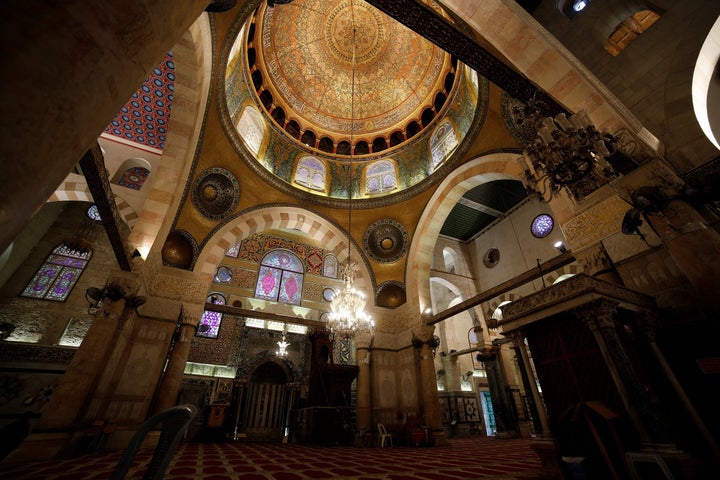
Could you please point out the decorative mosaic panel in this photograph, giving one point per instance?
(134, 177)
(314, 259)
(144, 118)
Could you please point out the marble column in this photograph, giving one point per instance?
(529, 380)
(506, 422)
(599, 316)
(424, 340)
(180, 349)
(693, 246)
(363, 402)
(69, 401)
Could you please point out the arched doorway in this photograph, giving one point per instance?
(266, 404)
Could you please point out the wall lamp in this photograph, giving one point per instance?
(561, 247)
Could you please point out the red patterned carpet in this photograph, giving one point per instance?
(466, 458)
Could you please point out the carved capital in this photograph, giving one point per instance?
(192, 313)
(363, 340)
(423, 334)
(517, 337)
(599, 314)
(487, 354)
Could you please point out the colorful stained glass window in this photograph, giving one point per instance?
(330, 266)
(223, 274)
(93, 213)
(311, 173)
(280, 278)
(380, 177)
(57, 276)
(210, 322)
(233, 251)
(542, 225)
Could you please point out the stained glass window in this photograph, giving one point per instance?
(542, 225)
(311, 173)
(330, 266)
(280, 278)
(233, 251)
(93, 213)
(380, 177)
(56, 277)
(210, 322)
(223, 274)
(442, 144)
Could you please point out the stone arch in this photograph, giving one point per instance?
(193, 57)
(438, 281)
(495, 303)
(257, 220)
(79, 192)
(494, 166)
(572, 269)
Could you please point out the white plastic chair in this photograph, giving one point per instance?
(383, 435)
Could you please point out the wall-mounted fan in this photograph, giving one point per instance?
(631, 223)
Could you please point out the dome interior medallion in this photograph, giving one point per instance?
(341, 81)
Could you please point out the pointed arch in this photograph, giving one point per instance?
(282, 216)
(494, 166)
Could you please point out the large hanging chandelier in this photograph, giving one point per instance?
(347, 309)
(568, 153)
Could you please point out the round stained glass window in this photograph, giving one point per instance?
(93, 213)
(542, 225)
(223, 275)
(328, 294)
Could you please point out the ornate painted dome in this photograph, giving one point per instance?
(315, 83)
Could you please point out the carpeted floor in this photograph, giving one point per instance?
(466, 458)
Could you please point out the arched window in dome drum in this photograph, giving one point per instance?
(443, 142)
(311, 173)
(251, 128)
(380, 177)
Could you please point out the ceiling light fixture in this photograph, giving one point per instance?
(283, 344)
(347, 310)
(568, 153)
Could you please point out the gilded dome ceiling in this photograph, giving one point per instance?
(313, 85)
(313, 51)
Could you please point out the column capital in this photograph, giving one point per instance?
(191, 314)
(363, 340)
(598, 314)
(517, 337)
(424, 334)
(488, 353)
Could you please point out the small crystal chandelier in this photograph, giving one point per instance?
(283, 344)
(568, 153)
(347, 310)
